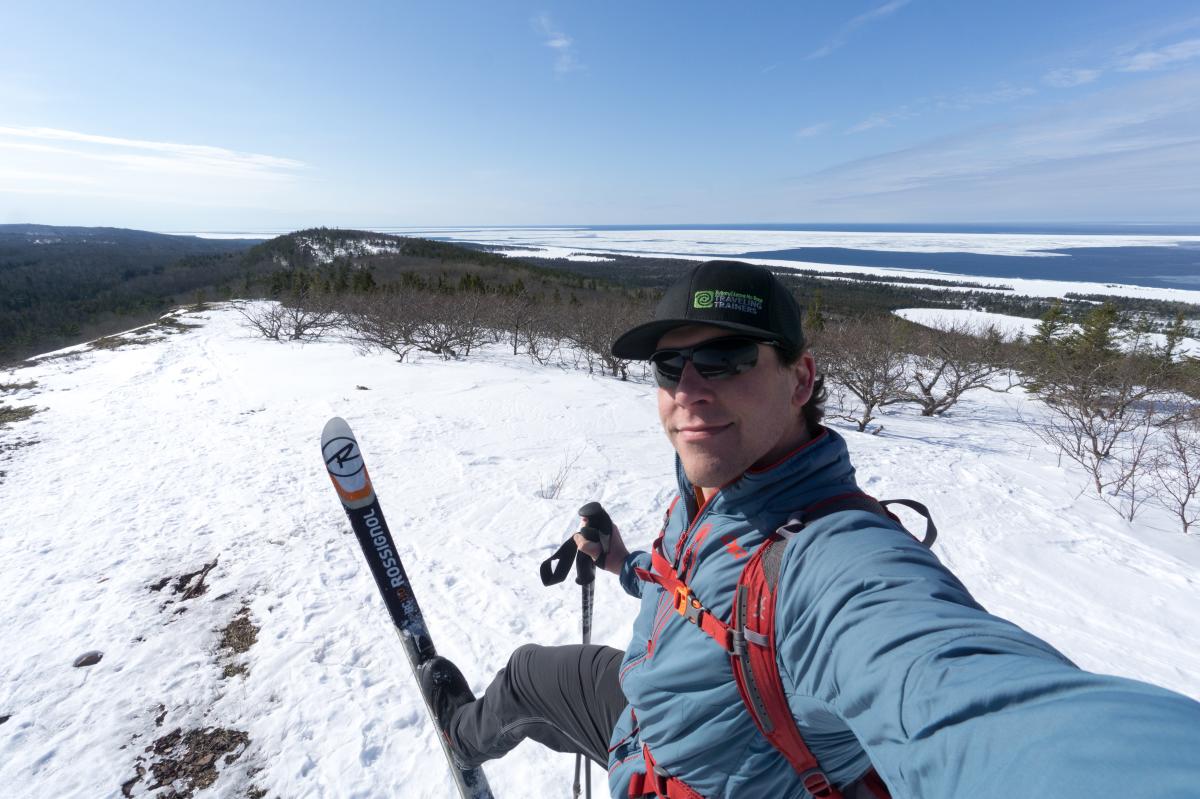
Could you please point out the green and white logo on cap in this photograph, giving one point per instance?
(727, 301)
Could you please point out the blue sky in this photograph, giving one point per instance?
(259, 115)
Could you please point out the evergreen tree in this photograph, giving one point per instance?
(816, 320)
(1096, 339)
(1053, 325)
(1175, 332)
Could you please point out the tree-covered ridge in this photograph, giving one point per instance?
(60, 286)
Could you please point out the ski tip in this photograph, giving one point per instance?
(345, 464)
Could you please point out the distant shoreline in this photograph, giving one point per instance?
(1017, 229)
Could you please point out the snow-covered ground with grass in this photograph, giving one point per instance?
(167, 506)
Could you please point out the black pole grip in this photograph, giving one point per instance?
(598, 527)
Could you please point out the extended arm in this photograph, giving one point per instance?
(950, 701)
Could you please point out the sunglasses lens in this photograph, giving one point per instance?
(725, 358)
(668, 367)
(713, 360)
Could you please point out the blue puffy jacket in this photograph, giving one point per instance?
(887, 661)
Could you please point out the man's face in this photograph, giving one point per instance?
(721, 428)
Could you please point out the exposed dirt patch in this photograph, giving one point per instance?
(19, 413)
(171, 324)
(187, 761)
(116, 342)
(236, 638)
(6, 388)
(190, 584)
(9, 446)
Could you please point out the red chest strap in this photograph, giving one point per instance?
(754, 670)
(686, 604)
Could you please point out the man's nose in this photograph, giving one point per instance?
(692, 387)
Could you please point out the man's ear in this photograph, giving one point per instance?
(806, 375)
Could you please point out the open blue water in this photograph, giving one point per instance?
(1176, 264)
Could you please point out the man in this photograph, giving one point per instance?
(891, 670)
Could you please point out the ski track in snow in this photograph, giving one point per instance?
(153, 460)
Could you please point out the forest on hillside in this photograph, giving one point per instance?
(61, 286)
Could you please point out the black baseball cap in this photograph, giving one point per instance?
(732, 295)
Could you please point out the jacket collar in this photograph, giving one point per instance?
(817, 469)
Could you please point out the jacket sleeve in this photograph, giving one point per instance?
(629, 581)
(948, 700)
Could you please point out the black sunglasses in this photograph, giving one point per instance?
(715, 359)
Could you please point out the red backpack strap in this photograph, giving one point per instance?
(755, 663)
(756, 670)
(657, 782)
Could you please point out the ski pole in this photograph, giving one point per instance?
(597, 527)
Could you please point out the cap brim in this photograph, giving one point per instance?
(639, 343)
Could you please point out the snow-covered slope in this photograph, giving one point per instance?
(154, 460)
(1013, 326)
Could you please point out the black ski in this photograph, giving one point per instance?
(348, 471)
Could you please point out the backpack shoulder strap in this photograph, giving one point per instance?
(755, 663)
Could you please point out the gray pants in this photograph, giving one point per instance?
(565, 697)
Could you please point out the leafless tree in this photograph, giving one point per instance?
(865, 362)
(266, 318)
(453, 325)
(517, 315)
(1104, 412)
(310, 318)
(382, 321)
(952, 359)
(1177, 469)
(292, 319)
(592, 327)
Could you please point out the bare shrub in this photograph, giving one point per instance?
(864, 360)
(592, 327)
(1177, 469)
(516, 314)
(266, 318)
(407, 319)
(291, 319)
(310, 318)
(552, 487)
(381, 321)
(1105, 407)
(952, 359)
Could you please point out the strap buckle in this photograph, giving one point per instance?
(659, 778)
(686, 604)
(817, 784)
(736, 642)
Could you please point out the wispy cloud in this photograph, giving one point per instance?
(1067, 78)
(1161, 58)
(560, 43)
(957, 101)
(1131, 149)
(1136, 57)
(169, 156)
(71, 169)
(877, 13)
(882, 120)
(812, 130)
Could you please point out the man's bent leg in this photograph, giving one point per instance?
(565, 697)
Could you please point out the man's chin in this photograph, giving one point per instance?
(706, 470)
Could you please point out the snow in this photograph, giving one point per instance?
(152, 460)
(584, 244)
(1012, 326)
(703, 244)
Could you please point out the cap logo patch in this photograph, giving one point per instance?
(727, 301)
